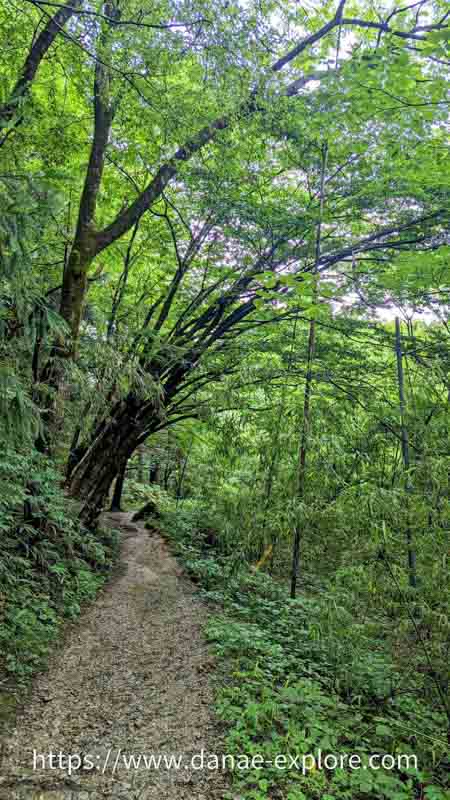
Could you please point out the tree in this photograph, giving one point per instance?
(251, 249)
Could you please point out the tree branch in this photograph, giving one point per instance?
(33, 60)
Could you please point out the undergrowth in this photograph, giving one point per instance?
(137, 494)
(49, 565)
(304, 676)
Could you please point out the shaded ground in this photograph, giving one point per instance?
(131, 679)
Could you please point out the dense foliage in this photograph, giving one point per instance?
(224, 274)
(49, 565)
(310, 675)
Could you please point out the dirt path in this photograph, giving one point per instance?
(130, 680)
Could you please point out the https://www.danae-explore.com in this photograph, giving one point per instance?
(113, 760)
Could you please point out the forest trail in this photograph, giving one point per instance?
(131, 677)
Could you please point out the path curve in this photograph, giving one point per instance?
(132, 676)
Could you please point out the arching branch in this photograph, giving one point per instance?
(10, 113)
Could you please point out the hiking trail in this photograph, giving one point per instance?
(130, 678)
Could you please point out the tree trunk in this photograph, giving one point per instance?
(112, 445)
(302, 457)
(405, 453)
(304, 437)
(141, 465)
(153, 475)
(74, 289)
(116, 502)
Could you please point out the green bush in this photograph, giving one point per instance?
(49, 565)
(304, 675)
(136, 494)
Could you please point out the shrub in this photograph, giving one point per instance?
(49, 566)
